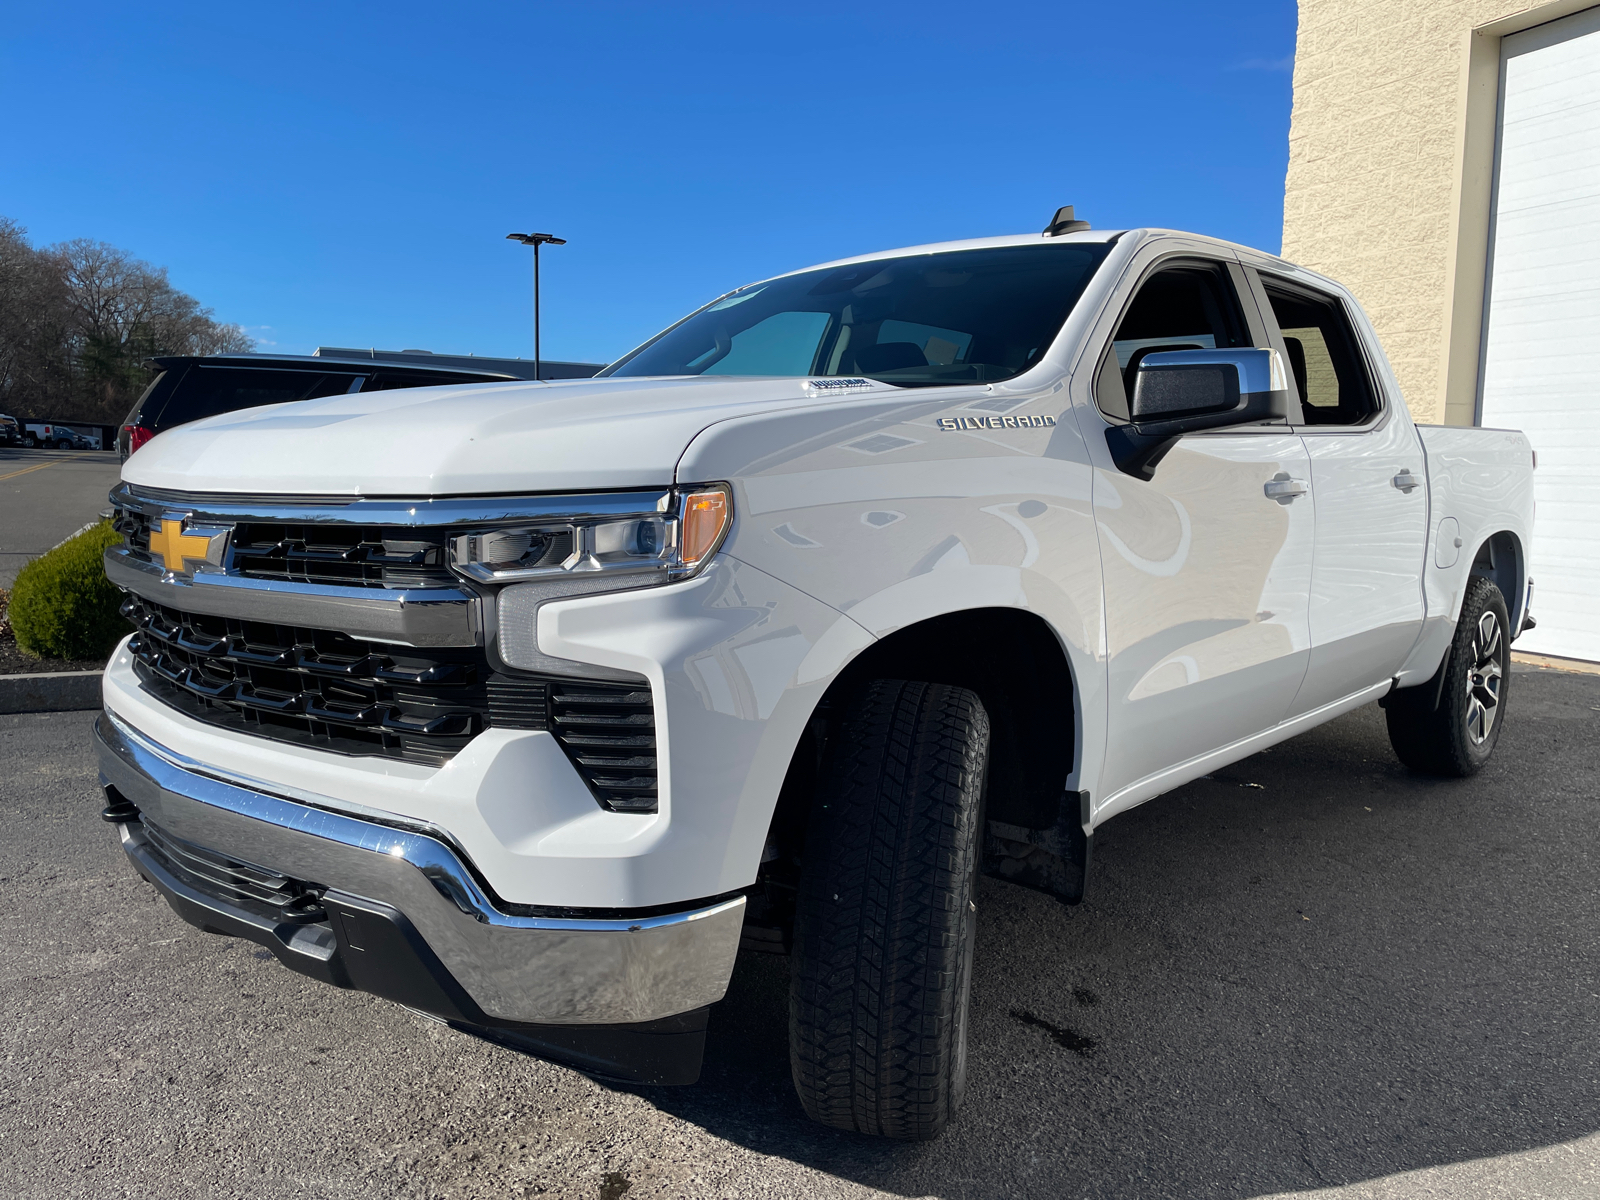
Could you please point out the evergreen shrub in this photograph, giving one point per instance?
(62, 605)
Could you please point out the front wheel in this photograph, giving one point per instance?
(887, 913)
(1457, 737)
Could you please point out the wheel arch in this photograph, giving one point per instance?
(1500, 558)
(1015, 662)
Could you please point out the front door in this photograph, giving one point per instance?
(1206, 574)
(1369, 481)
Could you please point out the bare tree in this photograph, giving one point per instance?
(35, 324)
(78, 320)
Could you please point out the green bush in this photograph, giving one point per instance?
(62, 606)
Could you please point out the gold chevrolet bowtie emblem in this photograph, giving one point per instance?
(173, 545)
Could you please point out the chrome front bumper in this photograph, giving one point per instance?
(517, 968)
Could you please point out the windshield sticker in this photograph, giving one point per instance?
(736, 298)
(949, 423)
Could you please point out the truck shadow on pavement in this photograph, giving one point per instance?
(1311, 969)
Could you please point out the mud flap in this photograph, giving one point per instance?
(1054, 861)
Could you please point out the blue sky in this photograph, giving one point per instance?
(346, 174)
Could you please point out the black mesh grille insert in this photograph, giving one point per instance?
(311, 686)
(135, 530)
(349, 555)
(327, 690)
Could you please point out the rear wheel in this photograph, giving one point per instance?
(63, 444)
(886, 915)
(1457, 737)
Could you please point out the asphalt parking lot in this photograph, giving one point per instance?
(45, 497)
(1313, 971)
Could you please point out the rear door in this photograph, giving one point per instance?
(1368, 477)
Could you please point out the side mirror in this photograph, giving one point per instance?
(1184, 391)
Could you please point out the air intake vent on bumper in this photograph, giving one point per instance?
(609, 732)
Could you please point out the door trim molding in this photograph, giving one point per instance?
(1151, 786)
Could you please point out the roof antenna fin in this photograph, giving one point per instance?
(1063, 222)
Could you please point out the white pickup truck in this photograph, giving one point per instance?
(528, 704)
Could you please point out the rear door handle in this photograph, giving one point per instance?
(1406, 482)
(1283, 489)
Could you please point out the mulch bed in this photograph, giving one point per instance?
(14, 662)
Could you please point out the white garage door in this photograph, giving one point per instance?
(1541, 369)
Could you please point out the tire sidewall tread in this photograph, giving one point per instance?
(884, 919)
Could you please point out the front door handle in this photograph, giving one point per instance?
(1283, 489)
(1406, 482)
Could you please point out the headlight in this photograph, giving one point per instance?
(557, 559)
(657, 547)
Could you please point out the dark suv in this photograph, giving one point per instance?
(189, 388)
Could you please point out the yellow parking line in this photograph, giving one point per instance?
(41, 466)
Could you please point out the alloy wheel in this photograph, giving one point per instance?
(1484, 677)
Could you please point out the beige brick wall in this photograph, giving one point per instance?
(1390, 152)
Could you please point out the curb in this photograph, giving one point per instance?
(50, 691)
(1550, 662)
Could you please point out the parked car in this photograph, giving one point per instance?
(189, 387)
(528, 708)
(10, 431)
(57, 437)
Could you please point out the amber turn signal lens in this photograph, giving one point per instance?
(705, 518)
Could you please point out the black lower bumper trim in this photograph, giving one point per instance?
(371, 947)
(668, 1051)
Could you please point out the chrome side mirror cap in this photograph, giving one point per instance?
(1184, 391)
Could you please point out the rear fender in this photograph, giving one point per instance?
(1480, 500)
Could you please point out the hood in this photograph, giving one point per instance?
(459, 440)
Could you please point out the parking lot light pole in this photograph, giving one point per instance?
(536, 240)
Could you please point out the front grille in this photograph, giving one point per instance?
(134, 526)
(255, 887)
(375, 556)
(319, 688)
(311, 686)
(348, 555)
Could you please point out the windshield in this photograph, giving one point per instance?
(962, 316)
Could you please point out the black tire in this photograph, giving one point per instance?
(886, 913)
(29, 441)
(1456, 738)
(63, 444)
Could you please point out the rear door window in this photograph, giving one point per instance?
(1324, 356)
(207, 391)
